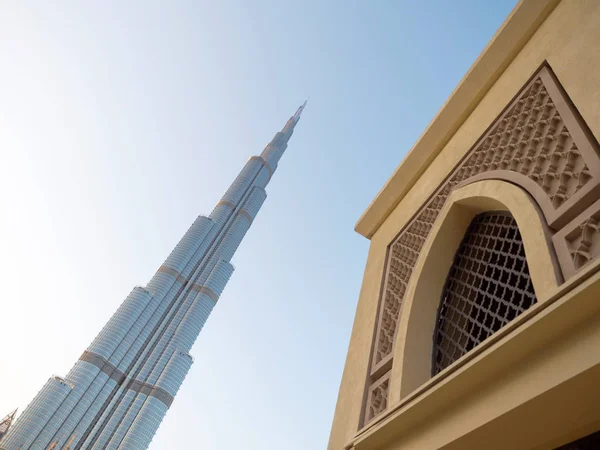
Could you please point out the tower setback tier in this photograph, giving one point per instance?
(119, 390)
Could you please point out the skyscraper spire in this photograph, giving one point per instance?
(274, 150)
(119, 390)
(289, 126)
(296, 116)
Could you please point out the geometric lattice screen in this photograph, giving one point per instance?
(540, 143)
(488, 286)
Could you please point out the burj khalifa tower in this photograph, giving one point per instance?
(119, 390)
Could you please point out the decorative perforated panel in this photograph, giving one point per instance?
(530, 139)
(487, 287)
(377, 397)
(584, 241)
(540, 143)
(578, 244)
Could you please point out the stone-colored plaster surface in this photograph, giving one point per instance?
(569, 40)
(355, 370)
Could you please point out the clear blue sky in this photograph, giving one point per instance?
(122, 121)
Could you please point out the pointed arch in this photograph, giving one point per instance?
(413, 345)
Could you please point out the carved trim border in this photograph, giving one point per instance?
(377, 397)
(532, 145)
(578, 244)
(538, 142)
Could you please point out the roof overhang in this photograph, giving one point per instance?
(510, 38)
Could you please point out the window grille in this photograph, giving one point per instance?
(488, 286)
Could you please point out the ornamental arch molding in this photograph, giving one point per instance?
(413, 346)
(538, 145)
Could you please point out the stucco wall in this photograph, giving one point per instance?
(569, 40)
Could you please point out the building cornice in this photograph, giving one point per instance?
(511, 37)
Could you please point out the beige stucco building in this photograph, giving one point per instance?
(478, 321)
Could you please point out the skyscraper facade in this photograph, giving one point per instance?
(119, 390)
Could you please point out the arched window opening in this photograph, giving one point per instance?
(488, 286)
